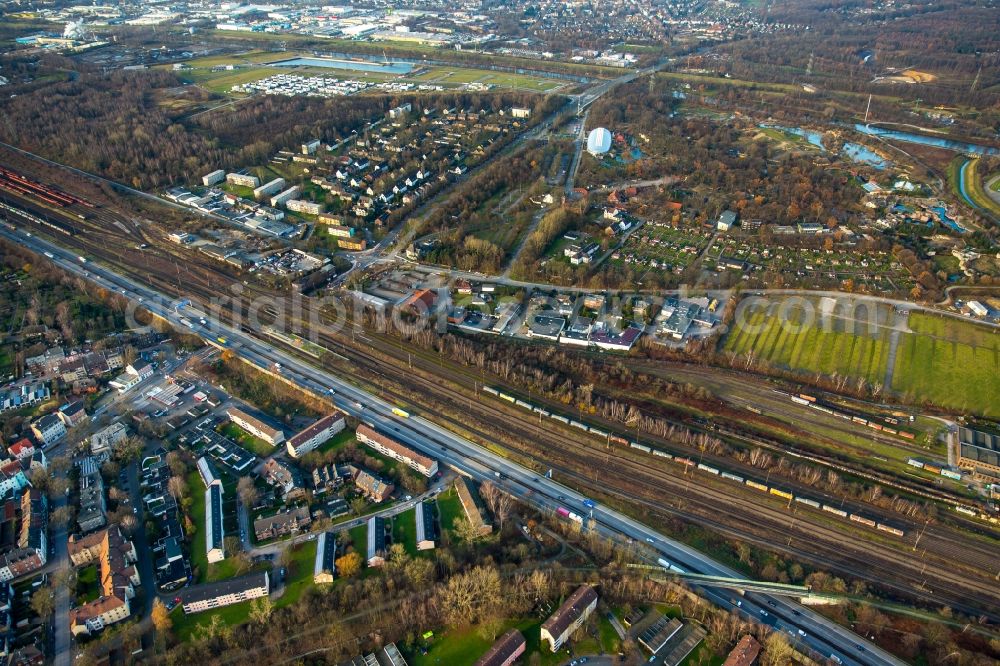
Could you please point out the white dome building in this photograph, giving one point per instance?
(599, 141)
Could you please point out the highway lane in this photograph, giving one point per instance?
(803, 627)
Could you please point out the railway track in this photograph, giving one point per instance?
(711, 504)
(206, 285)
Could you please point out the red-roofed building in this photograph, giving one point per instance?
(745, 653)
(422, 301)
(21, 449)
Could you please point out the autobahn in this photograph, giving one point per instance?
(803, 627)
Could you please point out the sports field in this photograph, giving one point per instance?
(951, 363)
(834, 345)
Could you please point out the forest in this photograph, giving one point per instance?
(114, 124)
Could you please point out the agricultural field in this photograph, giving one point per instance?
(944, 361)
(951, 363)
(829, 346)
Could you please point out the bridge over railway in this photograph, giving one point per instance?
(803, 592)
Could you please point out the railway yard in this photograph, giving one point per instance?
(949, 559)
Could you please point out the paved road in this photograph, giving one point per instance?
(804, 628)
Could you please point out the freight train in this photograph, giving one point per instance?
(691, 465)
(811, 401)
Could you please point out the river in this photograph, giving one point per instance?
(936, 141)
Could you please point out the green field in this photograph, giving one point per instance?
(462, 646)
(449, 508)
(300, 573)
(254, 445)
(945, 361)
(826, 347)
(404, 530)
(951, 363)
(185, 626)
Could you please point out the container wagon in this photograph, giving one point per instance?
(732, 477)
(599, 432)
(559, 417)
(799, 400)
(781, 493)
(913, 462)
(906, 435)
(951, 475)
(934, 469)
(663, 454)
(491, 390)
(808, 502)
(964, 509)
(861, 519)
(619, 440)
(758, 486)
(858, 419)
(581, 426)
(710, 470)
(508, 398)
(835, 510)
(687, 462)
(807, 397)
(891, 530)
(641, 447)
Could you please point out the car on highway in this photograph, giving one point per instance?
(802, 633)
(650, 540)
(772, 604)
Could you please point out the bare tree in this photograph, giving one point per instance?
(499, 503)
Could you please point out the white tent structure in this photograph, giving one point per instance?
(599, 141)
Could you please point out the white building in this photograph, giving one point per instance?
(303, 206)
(48, 429)
(213, 178)
(520, 112)
(268, 188)
(225, 592)
(255, 426)
(310, 147)
(286, 196)
(103, 440)
(242, 179)
(214, 531)
(316, 434)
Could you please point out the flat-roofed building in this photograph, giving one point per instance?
(284, 197)
(315, 435)
(303, 206)
(225, 592)
(391, 448)
(979, 452)
(505, 651)
(426, 529)
(242, 179)
(269, 188)
(325, 568)
(376, 541)
(255, 426)
(213, 178)
(475, 513)
(570, 617)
